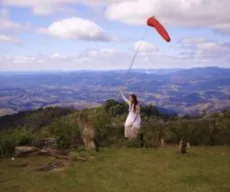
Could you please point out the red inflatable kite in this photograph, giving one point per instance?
(153, 22)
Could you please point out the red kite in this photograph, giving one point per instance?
(153, 22)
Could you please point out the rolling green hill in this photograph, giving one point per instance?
(60, 123)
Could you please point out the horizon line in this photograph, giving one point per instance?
(106, 70)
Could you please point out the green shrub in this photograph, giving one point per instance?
(64, 130)
(108, 122)
(63, 142)
(11, 138)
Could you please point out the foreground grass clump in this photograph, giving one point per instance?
(126, 169)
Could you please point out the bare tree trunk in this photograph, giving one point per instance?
(182, 146)
(162, 142)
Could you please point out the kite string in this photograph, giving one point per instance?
(134, 57)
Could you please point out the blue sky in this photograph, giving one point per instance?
(75, 34)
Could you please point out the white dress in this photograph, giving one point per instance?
(133, 120)
(131, 117)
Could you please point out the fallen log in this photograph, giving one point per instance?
(54, 153)
(24, 150)
(59, 154)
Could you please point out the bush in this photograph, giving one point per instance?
(101, 121)
(63, 142)
(108, 122)
(200, 132)
(64, 130)
(197, 132)
(221, 133)
(12, 138)
(34, 119)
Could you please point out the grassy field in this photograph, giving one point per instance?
(127, 169)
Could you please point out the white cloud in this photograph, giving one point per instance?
(213, 14)
(202, 50)
(7, 39)
(58, 56)
(47, 7)
(5, 23)
(204, 54)
(76, 28)
(145, 47)
(193, 13)
(39, 7)
(9, 25)
(100, 53)
(102, 59)
(192, 41)
(24, 60)
(223, 28)
(4, 12)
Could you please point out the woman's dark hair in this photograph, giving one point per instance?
(135, 101)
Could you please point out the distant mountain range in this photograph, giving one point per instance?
(154, 71)
(185, 91)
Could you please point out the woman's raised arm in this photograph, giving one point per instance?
(123, 97)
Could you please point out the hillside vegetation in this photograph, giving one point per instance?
(27, 128)
(119, 164)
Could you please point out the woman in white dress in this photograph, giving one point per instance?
(133, 120)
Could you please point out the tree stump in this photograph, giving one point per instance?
(162, 142)
(183, 146)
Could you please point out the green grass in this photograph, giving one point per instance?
(127, 169)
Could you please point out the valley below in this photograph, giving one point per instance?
(190, 91)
